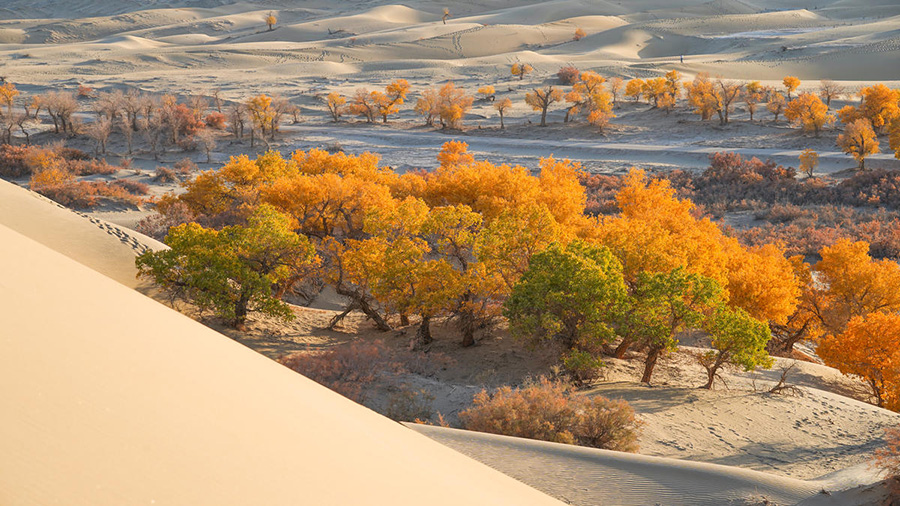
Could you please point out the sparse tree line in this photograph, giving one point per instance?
(162, 120)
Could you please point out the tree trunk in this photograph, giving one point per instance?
(622, 348)
(339, 317)
(710, 377)
(501, 121)
(544, 117)
(423, 335)
(240, 312)
(652, 356)
(467, 326)
(404, 320)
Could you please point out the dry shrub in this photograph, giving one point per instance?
(600, 191)
(547, 411)
(85, 91)
(784, 213)
(90, 167)
(21, 161)
(406, 405)
(887, 459)
(13, 161)
(165, 175)
(132, 187)
(568, 75)
(185, 166)
(347, 369)
(215, 120)
(157, 225)
(59, 185)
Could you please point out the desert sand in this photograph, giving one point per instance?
(111, 398)
(120, 399)
(196, 47)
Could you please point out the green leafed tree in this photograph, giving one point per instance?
(737, 338)
(232, 271)
(662, 305)
(568, 294)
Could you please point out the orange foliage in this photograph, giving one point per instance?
(809, 112)
(859, 141)
(868, 348)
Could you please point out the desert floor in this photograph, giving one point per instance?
(819, 434)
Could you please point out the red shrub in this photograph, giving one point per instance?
(568, 75)
(215, 120)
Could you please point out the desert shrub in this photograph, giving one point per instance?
(347, 369)
(13, 161)
(73, 154)
(215, 120)
(90, 167)
(875, 187)
(547, 411)
(823, 225)
(582, 367)
(165, 175)
(600, 190)
(568, 75)
(406, 405)
(157, 225)
(132, 187)
(783, 213)
(59, 185)
(887, 458)
(114, 192)
(185, 166)
(85, 91)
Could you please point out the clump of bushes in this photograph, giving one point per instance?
(132, 187)
(548, 411)
(348, 370)
(352, 369)
(165, 175)
(568, 75)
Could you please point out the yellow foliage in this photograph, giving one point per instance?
(809, 160)
(809, 112)
(859, 141)
(791, 83)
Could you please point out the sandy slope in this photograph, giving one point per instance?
(102, 246)
(116, 399)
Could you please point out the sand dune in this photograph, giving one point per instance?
(117, 399)
(102, 246)
(590, 476)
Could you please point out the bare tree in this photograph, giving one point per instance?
(206, 139)
(198, 104)
(237, 117)
(132, 106)
(217, 99)
(24, 121)
(99, 130)
(108, 104)
(60, 106)
(829, 89)
(127, 130)
(153, 127)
